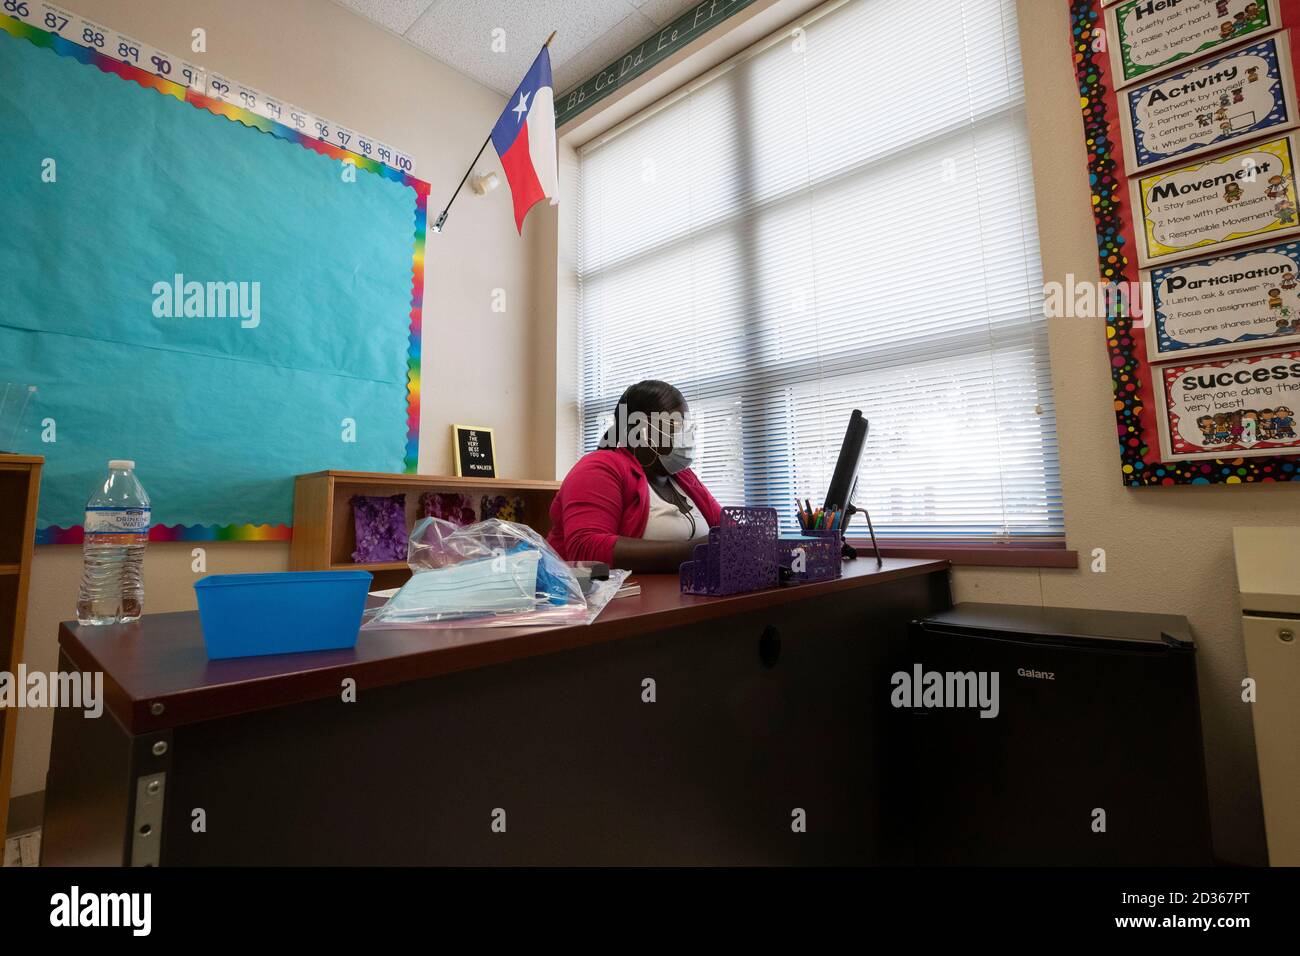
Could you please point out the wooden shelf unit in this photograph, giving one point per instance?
(324, 530)
(20, 482)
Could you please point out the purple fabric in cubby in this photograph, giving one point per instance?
(380, 527)
(447, 505)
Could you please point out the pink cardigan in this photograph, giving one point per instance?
(606, 496)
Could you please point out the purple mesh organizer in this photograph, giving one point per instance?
(739, 555)
(822, 560)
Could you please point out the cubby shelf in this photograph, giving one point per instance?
(324, 532)
(20, 482)
(369, 566)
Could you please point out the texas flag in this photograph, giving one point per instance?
(524, 138)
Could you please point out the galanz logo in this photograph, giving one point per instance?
(1038, 675)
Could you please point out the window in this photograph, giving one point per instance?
(840, 218)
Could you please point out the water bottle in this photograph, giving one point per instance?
(117, 527)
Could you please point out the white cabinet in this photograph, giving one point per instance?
(1268, 576)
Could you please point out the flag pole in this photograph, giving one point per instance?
(442, 216)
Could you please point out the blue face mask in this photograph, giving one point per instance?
(502, 584)
(677, 460)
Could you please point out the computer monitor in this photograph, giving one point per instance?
(844, 483)
(843, 480)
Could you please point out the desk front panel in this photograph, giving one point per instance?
(559, 759)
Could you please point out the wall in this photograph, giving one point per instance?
(320, 56)
(555, 376)
(1166, 549)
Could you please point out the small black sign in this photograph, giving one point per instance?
(471, 447)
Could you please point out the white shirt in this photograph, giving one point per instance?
(668, 523)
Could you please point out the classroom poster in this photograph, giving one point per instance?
(1231, 200)
(1231, 408)
(1212, 305)
(1242, 93)
(1148, 35)
(1199, 324)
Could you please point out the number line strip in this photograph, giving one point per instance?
(92, 36)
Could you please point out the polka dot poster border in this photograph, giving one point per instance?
(1130, 374)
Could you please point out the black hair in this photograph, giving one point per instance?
(647, 397)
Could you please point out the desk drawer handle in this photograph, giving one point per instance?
(769, 646)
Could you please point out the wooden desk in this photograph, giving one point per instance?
(764, 703)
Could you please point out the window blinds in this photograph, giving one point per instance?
(841, 218)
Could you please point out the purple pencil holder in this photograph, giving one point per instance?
(738, 557)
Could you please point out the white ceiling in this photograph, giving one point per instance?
(590, 33)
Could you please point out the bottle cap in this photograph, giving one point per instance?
(121, 464)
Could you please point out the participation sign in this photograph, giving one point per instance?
(1207, 306)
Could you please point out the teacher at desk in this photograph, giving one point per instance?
(634, 502)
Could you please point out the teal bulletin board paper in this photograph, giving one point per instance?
(217, 416)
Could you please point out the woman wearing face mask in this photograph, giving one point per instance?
(634, 502)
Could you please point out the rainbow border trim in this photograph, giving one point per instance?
(1130, 373)
(254, 532)
(180, 532)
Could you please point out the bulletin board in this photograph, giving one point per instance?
(201, 289)
(1190, 119)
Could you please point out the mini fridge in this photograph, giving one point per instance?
(1094, 756)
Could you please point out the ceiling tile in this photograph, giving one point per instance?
(459, 32)
(664, 12)
(625, 35)
(396, 15)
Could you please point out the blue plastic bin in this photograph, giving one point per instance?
(247, 615)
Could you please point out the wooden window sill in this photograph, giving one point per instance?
(976, 554)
